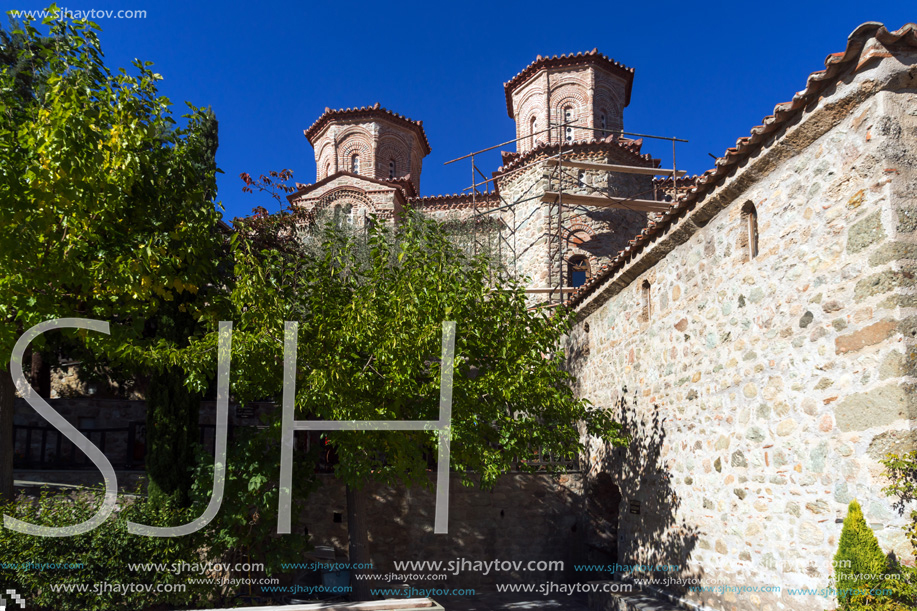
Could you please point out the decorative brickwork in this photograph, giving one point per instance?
(588, 89)
(369, 141)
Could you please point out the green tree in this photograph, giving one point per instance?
(18, 56)
(901, 470)
(173, 409)
(245, 529)
(858, 553)
(370, 303)
(106, 203)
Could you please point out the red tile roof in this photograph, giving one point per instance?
(563, 61)
(512, 160)
(367, 112)
(454, 201)
(836, 64)
(402, 184)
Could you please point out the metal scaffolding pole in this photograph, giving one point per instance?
(556, 198)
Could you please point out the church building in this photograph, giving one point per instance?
(754, 328)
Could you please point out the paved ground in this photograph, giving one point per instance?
(521, 602)
(513, 602)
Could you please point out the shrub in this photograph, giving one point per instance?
(901, 470)
(858, 553)
(245, 529)
(106, 555)
(897, 592)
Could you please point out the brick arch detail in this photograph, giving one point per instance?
(324, 157)
(577, 226)
(392, 147)
(356, 143)
(344, 195)
(609, 99)
(529, 105)
(575, 96)
(533, 101)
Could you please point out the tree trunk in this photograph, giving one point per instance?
(7, 399)
(41, 375)
(357, 502)
(172, 415)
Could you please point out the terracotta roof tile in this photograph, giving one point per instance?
(512, 160)
(369, 112)
(454, 201)
(562, 61)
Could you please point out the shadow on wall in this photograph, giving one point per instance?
(649, 530)
(525, 517)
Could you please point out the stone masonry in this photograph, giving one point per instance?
(757, 340)
(760, 390)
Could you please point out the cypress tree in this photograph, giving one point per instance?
(858, 552)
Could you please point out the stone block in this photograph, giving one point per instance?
(867, 336)
(882, 282)
(865, 233)
(877, 407)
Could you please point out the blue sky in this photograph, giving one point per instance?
(706, 72)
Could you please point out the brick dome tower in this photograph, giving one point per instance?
(586, 88)
(368, 141)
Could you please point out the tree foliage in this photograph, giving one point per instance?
(370, 303)
(105, 200)
(245, 529)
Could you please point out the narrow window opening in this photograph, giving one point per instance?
(581, 178)
(578, 271)
(603, 124)
(533, 129)
(568, 130)
(355, 164)
(750, 220)
(645, 315)
(391, 168)
(328, 169)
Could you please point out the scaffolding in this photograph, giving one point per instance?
(561, 201)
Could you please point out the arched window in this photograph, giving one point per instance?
(568, 130)
(355, 164)
(645, 293)
(577, 270)
(327, 169)
(391, 168)
(603, 123)
(533, 129)
(749, 230)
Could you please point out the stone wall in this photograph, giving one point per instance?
(90, 415)
(525, 517)
(760, 392)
